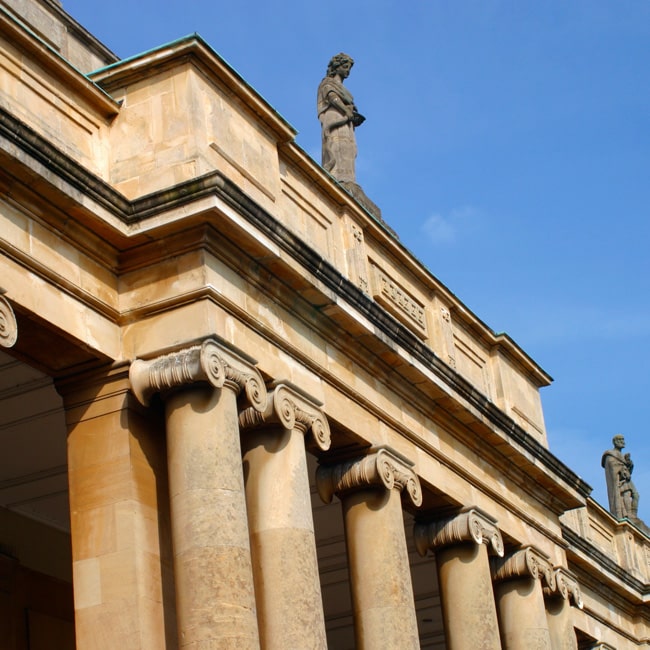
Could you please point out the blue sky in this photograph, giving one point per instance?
(507, 143)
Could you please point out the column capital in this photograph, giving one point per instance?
(566, 586)
(209, 362)
(382, 467)
(292, 408)
(526, 562)
(469, 525)
(8, 324)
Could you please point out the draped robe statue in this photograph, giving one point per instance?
(338, 117)
(621, 492)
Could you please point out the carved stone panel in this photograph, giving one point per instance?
(399, 302)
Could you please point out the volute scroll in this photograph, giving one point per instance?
(8, 324)
(208, 362)
(470, 525)
(526, 562)
(382, 468)
(292, 409)
(566, 587)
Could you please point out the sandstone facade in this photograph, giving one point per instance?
(236, 412)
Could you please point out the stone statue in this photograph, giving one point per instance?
(623, 497)
(338, 117)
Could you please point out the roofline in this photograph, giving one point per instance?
(196, 49)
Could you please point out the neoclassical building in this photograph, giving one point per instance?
(235, 412)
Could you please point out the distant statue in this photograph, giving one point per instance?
(623, 496)
(338, 117)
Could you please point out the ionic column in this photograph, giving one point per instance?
(520, 599)
(371, 489)
(558, 609)
(460, 544)
(214, 583)
(283, 545)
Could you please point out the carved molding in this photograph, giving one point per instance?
(357, 233)
(8, 324)
(471, 525)
(292, 410)
(527, 562)
(397, 300)
(208, 362)
(566, 586)
(382, 468)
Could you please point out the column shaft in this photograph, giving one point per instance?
(382, 593)
(285, 566)
(560, 624)
(522, 615)
(468, 607)
(214, 582)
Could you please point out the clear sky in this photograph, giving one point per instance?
(507, 143)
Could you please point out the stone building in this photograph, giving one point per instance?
(236, 412)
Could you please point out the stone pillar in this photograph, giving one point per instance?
(460, 544)
(119, 515)
(283, 545)
(212, 564)
(370, 490)
(520, 598)
(8, 325)
(558, 609)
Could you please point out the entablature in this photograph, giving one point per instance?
(161, 217)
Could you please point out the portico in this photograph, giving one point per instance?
(269, 426)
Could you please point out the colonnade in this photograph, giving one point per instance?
(245, 564)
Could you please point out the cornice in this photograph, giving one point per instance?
(22, 37)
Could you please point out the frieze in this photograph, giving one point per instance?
(292, 410)
(471, 525)
(388, 293)
(8, 324)
(381, 468)
(526, 562)
(208, 362)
